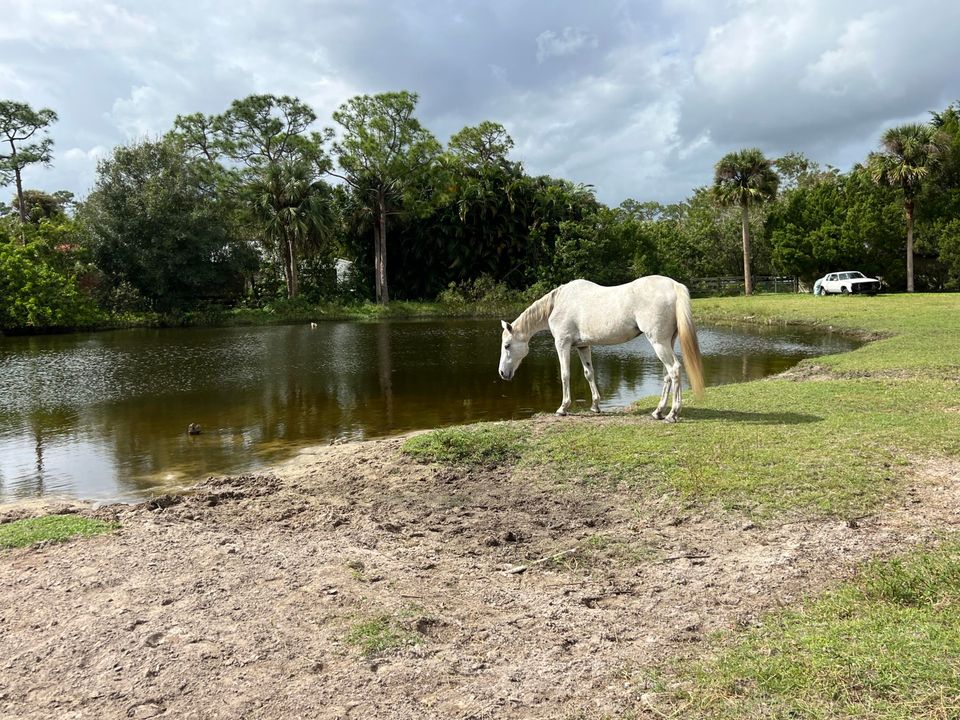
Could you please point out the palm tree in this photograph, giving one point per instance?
(295, 213)
(742, 178)
(908, 154)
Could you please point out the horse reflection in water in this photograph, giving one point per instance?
(581, 314)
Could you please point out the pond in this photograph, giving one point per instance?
(104, 416)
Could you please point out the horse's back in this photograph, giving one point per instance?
(599, 314)
(647, 290)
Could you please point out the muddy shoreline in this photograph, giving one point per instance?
(499, 592)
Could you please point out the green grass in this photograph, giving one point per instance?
(380, 634)
(57, 528)
(886, 646)
(835, 447)
(483, 444)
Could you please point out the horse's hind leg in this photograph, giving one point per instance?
(658, 411)
(671, 382)
(586, 359)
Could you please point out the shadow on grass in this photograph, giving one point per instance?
(751, 418)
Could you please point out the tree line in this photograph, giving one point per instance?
(254, 206)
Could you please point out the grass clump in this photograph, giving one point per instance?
(56, 528)
(380, 634)
(484, 445)
(886, 645)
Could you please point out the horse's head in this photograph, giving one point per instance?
(513, 349)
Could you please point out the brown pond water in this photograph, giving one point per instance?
(104, 416)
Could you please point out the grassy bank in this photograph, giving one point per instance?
(837, 445)
(54, 528)
(285, 313)
(836, 448)
(837, 437)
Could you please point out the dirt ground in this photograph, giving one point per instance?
(505, 595)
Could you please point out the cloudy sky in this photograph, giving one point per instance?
(638, 99)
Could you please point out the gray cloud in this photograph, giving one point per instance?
(568, 42)
(634, 97)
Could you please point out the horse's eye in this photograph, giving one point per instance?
(507, 346)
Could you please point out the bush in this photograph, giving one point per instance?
(34, 295)
(486, 295)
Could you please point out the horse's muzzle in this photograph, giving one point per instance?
(505, 376)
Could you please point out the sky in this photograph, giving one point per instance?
(637, 99)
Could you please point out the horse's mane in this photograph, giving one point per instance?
(534, 318)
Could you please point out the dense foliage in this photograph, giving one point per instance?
(255, 205)
(35, 294)
(162, 237)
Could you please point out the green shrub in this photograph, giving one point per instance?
(35, 295)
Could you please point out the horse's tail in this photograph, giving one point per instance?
(689, 345)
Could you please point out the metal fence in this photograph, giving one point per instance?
(733, 285)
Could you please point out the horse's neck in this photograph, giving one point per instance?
(536, 317)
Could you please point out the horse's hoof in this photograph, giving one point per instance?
(656, 415)
(596, 409)
(671, 418)
(561, 412)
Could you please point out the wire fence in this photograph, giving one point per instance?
(733, 285)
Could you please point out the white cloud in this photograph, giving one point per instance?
(87, 24)
(570, 41)
(146, 113)
(752, 49)
(12, 83)
(84, 156)
(851, 65)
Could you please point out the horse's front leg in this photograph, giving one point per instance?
(563, 352)
(586, 360)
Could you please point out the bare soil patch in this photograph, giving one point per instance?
(511, 596)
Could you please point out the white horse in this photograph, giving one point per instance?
(581, 313)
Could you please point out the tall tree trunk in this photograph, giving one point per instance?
(23, 206)
(380, 255)
(747, 279)
(287, 265)
(909, 246)
(376, 261)
(293, 287)
(19, 181)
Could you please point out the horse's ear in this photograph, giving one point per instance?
(506, 326)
